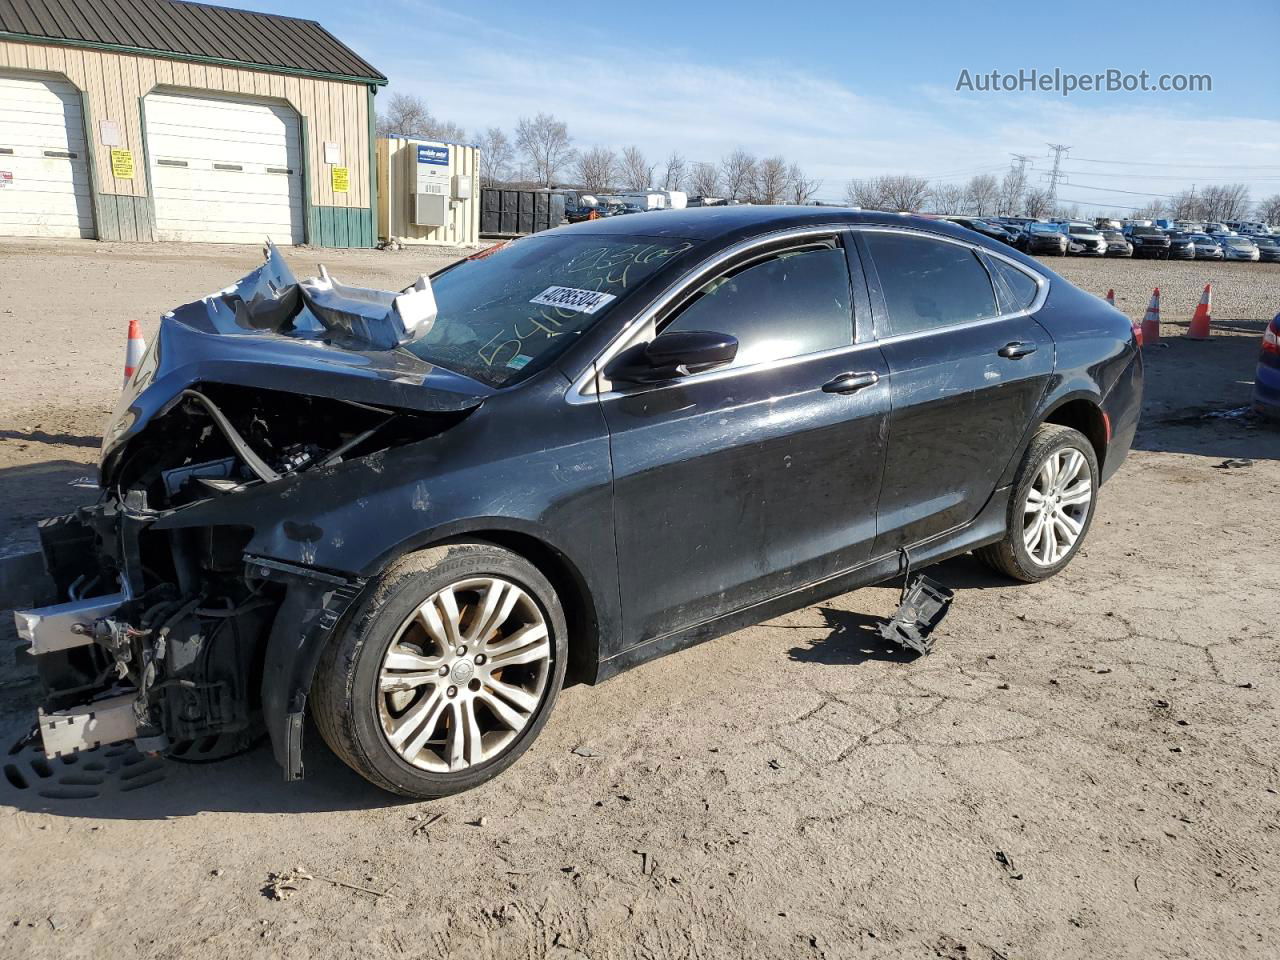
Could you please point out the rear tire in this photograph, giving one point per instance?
(1052, 506)
(446, 671)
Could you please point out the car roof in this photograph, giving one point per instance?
(716, 223)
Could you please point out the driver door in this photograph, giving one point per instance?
(740, 484)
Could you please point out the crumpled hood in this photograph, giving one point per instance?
(261, 333)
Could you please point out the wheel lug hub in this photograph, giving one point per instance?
(453, 691)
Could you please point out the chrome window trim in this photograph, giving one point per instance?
(627, 336)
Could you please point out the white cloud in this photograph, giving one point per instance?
(479, 75)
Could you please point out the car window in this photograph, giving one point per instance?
(793, 303)
(1019, 290)
(929, 283)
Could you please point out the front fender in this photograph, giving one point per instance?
(314, 604)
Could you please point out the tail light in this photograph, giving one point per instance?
(1271, 339)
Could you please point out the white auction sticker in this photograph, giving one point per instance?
(572, 298)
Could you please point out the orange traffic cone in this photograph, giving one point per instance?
(1200, 320)
(1110, 297)
(1151, 322)
(134, 351)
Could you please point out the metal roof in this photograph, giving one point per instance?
(196, 31)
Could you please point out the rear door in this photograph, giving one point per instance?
(968, 365)
(746, 482)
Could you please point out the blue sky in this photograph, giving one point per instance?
(851, 90)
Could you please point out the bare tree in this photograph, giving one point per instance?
(1186, 205)
(1228, 201)
(408, 116)
(981, 194)
(803, 188)
(1269, 209)
(705, 181)
(772, 180)
(947, 198)
(865, 194)
(1149, 211)
(1037, 203)
(634, 169)
(545, 142)
(905, 191)
(495, 156)
(1012, 189)
(673, 179)
(738, 174)
(597, 168)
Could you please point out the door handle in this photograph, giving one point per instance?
(851, 382)
(1016, 350)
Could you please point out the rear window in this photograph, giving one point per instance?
(1017, 290)
(513, 312)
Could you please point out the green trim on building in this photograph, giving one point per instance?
(311, 234)
(344, 227)
(373, 170)
(192, 57)
(150, 197)
(91, 148)
(122, 217)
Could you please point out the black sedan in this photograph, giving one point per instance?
(1268, 247)
(417, 515)
(995, 231)
(1117, 244)
(1042, 238)
(1182, 246)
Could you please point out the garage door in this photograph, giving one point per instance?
(44, 163)
(224, 171)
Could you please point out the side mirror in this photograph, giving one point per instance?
(671, 356)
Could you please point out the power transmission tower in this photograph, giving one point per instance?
(1056, 176)
(1020, 160)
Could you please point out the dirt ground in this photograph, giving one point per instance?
(1086, 767)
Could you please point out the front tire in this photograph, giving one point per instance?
(1051, 508)
(446, 671)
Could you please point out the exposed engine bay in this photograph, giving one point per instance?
(168, 627)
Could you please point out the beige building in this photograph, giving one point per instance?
(428, 191)
(166, 120)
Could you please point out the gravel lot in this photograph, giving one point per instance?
(1084, 768)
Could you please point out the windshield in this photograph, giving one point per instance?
(1148, 232)
(1240, 241)
(1114, 235)
(1042, 228)
(516, 310)
(1082, 231)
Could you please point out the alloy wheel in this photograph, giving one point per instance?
(1057, 505)
(464, 675)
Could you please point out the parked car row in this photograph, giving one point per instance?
(1179, 240)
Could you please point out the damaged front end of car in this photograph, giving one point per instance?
(190, 607)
